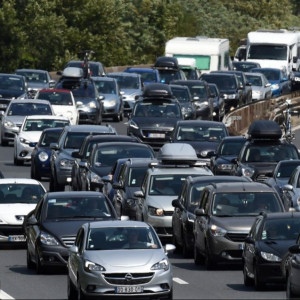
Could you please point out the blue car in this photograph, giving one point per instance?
(40, 157)
(280, 83)
(148, 75)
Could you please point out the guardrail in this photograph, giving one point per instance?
(238, 120)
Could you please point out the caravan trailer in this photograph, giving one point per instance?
(274, 49)
(210, 54)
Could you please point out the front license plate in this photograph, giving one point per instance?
(157, 135)
(129, 289)
(16, 238)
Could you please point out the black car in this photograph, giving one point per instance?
(218, 102)
(40, 156)
(61, 160)
(228, 149)
(201, 97)
(183, 217)
(104, 156)
(229, 87)
(267, 244)
(184, 97)
(84, 152)
(295, 80)
(130, 180)
(204, 136)
(52, 227)
(154, 117)
(262, 151)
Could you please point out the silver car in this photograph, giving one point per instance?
(261, 88)
(119, 258)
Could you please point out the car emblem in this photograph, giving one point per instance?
(128, 277)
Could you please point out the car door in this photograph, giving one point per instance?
(290, 195)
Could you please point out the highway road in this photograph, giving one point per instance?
(190, 281)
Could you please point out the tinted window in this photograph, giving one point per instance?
(49, 137)
(26, 109)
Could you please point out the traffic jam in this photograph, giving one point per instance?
(126, 184)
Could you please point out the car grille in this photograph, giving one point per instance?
(236, 236)
(68, 241)
(128, 278)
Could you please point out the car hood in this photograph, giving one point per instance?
(225, 159)
(13, 213)
(17, 120)
(11, 93)
(130, 92)
(228, 91)
(108, 97)
(84, 100)
(114, 259)
(156, 123)
(263, 167)
(277, 247)
(101, 171)
(37, 85)
(235, 223)
(32, 136)
(164, 202)
(201, 146)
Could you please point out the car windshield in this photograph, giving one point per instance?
(74, 140)
(108, 155)
(20, 193)
(40, 125)
(136, 176)
(269, 153)
(147, 76)
(11, 83)
(56, 98)
(78, 207)
(26, 109)
(182, 95)
(200, 133)
(117, 238)
(222, 82)
(106, 87)
(166, 76)
(167, 185)
(273, 52)
(245, 204)
(195, 193)
(199, 91)
(127, 82)
(84, 90)
(231, 147)
(254, 80)
(33, 77)
(49, 137)
(213, 90)
(244, 67)
(270, 74)
(157, 110)
(281, 229)
(285, 170)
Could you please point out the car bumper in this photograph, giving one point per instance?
(90, 117)
(12, 234)
(270, 272)
(63, 176)
(162, 225)
(53, 256)
(9, 134)
(24, 152)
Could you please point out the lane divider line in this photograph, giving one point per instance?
(4, 295)
(180, 281)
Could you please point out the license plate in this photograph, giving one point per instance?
(129, 289)
(157, 135)
(16, 238)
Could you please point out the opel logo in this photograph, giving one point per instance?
(128, 277)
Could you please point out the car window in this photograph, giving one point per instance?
(136, 176)
(231, 148)
(25, 109)
(11, 83)
(57, 98)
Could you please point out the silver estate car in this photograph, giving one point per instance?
(119, 258)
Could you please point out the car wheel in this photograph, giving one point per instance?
(80, 295)
(72, 292)
(247, 280)
(121, 116)
(35, 173)
(289, 292)
(38, 267)
(30, 264)
(56, 186)
(186, 252)
(117, 117)
(17, 162)
(169, 296)
(176, 244)
(208, 262)
(4, 143)
(258, 284)
(198, 258)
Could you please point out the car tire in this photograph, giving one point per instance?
(208, 262)
(80, 295)
(186, 252)
(247, 280)
(170, 295)
(38, 266)
(289, 293)
(258, 284)
(4, 143)
(17, 162)
(176, 244)
(30, 264)
(72, 292)
(57, 187)
(198, 258)
(35, 174)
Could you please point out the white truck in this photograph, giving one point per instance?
(274, 49)
(210, 54)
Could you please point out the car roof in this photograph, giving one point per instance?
(218, 74)
(139, 162)
(102, 78)
(219, 178)
(35, 101)
(243, 187)
(232, 138)
(12, 75)
(87, 128)
(199, 122)
(53, 129)
(31, 70)
(254, 73)
(46, 117)
(55, 91)
(19, 180)
(118, 223)
(178, 86)
(74, 194)
(145, 70)
(140, 145)
(192, 170)
(282, 215)
(123, 74)
(188, 82)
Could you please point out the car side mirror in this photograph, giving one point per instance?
(169, 247)
(199, 212)
(139, 194)
(75, 154)
(32, 221)
(234, 161)
(83, 164)
(177, 203)
(101, 97)
(295, 249)
(211, 154)
(287, 187)
(249, 240)
(59, 73)
(124, 218)
(54, 146)
(73, 249)
(117, 185)
(52, 83)
(107, 179)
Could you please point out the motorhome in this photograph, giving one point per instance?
(274, 49)
(210, 54)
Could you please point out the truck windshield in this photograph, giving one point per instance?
(274, 52)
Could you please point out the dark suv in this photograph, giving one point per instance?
(262, 151)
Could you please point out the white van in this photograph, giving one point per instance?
(274, 49)
(210, 54)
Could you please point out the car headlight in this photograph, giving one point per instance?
(247, 172)
(43, 156)
(48, 239)
(24, 141)
(203, 153)
(217, 231)
(9, 124)
(92, 104)
(224, 167)
(161, 265)
(66, 163)
(109, 103)
(133, 125)
(229, 96)
(155, 211)
(90, 266)
(270, 256)
(275, 86)
(95, 178)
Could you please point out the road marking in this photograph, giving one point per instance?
(3, 295)
(180, 281)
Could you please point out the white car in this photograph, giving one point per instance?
(62, 102)
(18, 197)
(261, 88)
(30, 132)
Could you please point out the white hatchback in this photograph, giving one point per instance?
(18, 197)
(30, 132)
(62, 102)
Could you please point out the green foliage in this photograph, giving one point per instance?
(45, 34)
